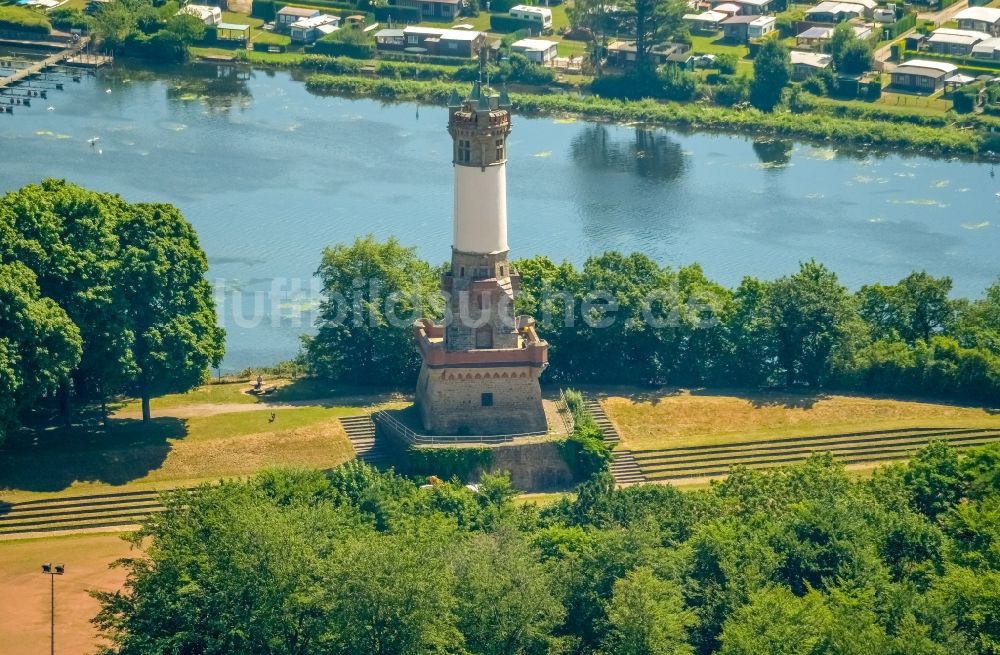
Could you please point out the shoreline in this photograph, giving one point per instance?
(944, 137)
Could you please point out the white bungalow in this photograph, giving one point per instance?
(708, 21)
(308, 30)
(539, 51)
(805, 64)
(980, 19)
(948, 41)
(988, 49)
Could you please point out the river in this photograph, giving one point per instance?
(269, 174)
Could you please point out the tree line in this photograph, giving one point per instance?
(99, 297)
(791, 561)
(678, 327)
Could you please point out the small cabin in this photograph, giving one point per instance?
(538, 51)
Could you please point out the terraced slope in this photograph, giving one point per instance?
(77, 512)
(668, 464)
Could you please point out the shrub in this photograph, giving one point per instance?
(732, 92)
(874, 91)
(69, 18)
(964, 100)
(446, 463)
(504, 23)
(397, 14)
(19, 19)
(345, 43)
(726, 62)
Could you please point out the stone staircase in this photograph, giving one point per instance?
(625, 469)
(623, 465)
(608, 431)
(77, 513)
(361, 432)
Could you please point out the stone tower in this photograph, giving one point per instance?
(480, 367)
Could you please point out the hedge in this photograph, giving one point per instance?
(335, 48)
(267, 9)
(446, 463)
(19, 19)
(905, 23)
(948, 139)
(397, 14)
(510, 24)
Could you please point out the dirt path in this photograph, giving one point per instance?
(211, 409)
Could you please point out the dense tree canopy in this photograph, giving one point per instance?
(799, 560)
(123, 284)
(374, 291)
(624, 319)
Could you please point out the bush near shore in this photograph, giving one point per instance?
(943, 139)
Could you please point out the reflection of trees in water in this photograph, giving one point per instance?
(220, 87)
(649, 154)
(773, 153)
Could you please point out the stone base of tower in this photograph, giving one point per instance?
(480, 401)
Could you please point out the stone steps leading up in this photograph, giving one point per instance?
(625, 469)
(608, 431)
(361, 433)
(715, 461)
(77, 513)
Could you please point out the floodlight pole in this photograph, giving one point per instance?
(52, 572)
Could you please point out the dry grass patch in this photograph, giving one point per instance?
(24, 622)
(170, 451)
(688, 418)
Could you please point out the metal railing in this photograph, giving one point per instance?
(565, 413)
(383, 418)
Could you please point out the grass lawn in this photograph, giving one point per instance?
(210, 433)
(686, 418)
(713, 44)
(241, 19)
(24, 623)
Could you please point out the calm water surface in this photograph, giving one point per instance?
(270, 174)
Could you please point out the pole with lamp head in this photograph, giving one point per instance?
(52, 572)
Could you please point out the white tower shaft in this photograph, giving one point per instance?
(481, 209)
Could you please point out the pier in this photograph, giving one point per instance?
(70, 56)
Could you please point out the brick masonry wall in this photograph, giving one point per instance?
(450, 400)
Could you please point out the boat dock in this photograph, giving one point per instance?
(70, 56)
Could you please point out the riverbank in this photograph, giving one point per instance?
(862, 132)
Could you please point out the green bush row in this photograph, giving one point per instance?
(501, 23)
(844, 131)
(447, 463)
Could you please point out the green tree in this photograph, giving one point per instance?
(851, 55)
(39, 344)
(647, 616)
(374, 291)
(66, 236)
(507, 598)
(809, 315)
(652, 23)
(772, 70)
(170, 310)
(917, 307)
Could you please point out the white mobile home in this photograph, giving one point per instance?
(541, 16)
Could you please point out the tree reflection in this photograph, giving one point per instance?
(650, 154)
(773, 153)
(220, 89)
